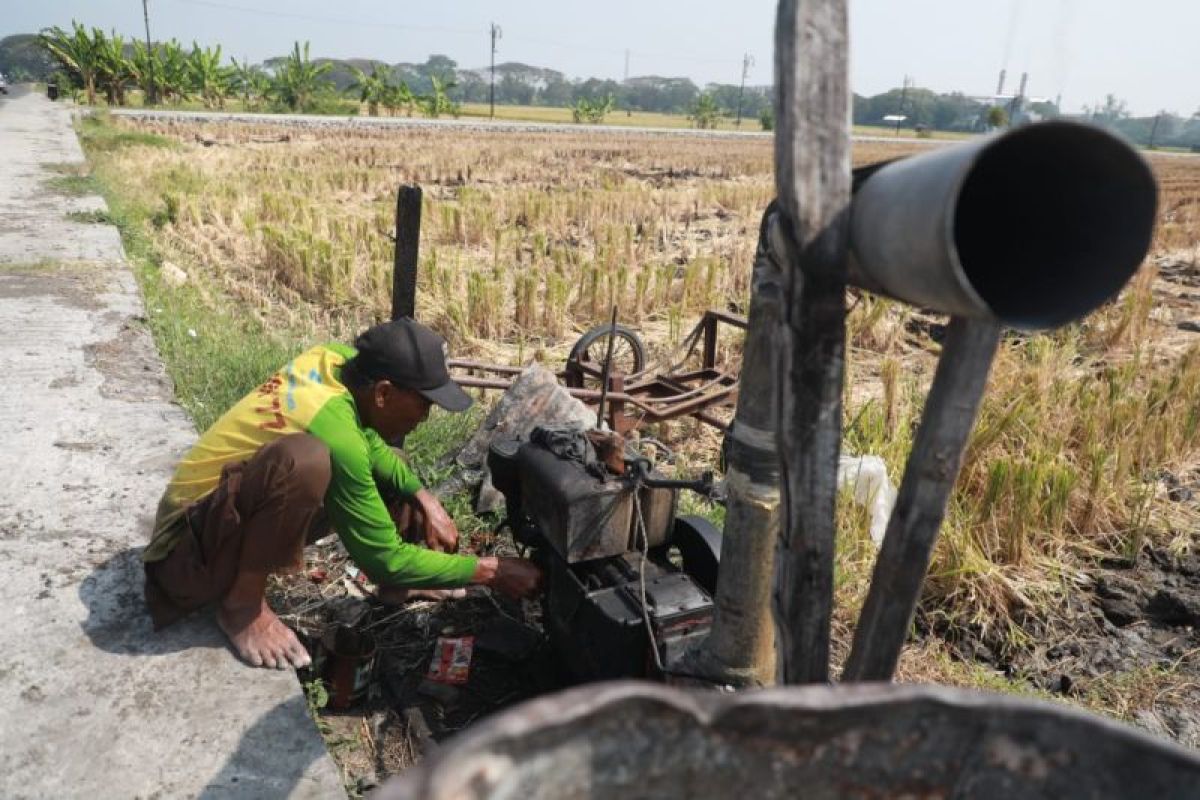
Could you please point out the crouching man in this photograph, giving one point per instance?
(304, 451)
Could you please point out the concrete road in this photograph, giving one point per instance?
(472, 124)
(93, 703)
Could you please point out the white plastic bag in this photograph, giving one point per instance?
(867, 477)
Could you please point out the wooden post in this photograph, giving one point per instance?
(929, 477)
(812, 157)
(408, 240)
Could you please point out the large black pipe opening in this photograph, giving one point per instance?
(1052, 220)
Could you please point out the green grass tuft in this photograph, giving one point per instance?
(99, 136)
(73, 185)
(95, 217)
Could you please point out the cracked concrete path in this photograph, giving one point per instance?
(93, 703)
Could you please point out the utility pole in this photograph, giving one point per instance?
(903, 100)
(151, 86)
(496, 34)
(747, 63)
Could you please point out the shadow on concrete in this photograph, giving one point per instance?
(272, 757)
(118, 621)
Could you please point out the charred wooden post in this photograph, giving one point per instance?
(408, 240)
(740, 649)
(812, 158)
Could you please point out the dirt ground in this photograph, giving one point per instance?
(403, 713)
(1123, 642)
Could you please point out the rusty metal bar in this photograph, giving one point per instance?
(710, 341)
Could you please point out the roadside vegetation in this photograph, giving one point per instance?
(1084, 436)
(528, 92)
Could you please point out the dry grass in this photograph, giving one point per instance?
(528, 239)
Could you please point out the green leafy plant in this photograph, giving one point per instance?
(77, 53)
(176, 83)
(250, 82)
(399, 96)
(114, 70)
(705, 113)
(207, 77)
(592, 111)
(766, 118)
(372, 89)
(298, 80)
(316, 695)
(437, 102)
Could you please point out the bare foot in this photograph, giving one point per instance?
(391, 596)
(261, 639)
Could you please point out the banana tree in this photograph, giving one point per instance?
(114, 70)
(705, 112)
(207, 77)
(437, 102)
(76, 52)
(399, 96)
(298, 79)
(175, 72)
(372, 89)
(147, 70)
(250, 82)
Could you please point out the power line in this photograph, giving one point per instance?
(638, 53)
(366, 23)
(336, 20)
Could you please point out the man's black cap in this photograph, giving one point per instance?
(411, 356)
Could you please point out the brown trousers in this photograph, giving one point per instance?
(258, 519)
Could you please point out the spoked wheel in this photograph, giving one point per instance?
(586, 359)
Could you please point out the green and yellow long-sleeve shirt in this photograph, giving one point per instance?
(308, 396)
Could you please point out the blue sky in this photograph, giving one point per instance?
(1147, 53)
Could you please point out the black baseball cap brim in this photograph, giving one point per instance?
(449, 396)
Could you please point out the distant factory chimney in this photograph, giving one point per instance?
(1024, 81)
(1000, 87)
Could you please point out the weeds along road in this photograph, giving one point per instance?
(324, 120)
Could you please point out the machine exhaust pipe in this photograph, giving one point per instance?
(1032, 228)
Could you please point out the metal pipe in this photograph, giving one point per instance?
(607, 372)
(1032, 228)
(740, 649)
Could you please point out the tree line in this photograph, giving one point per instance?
(95, 65)
(106, 65)
(99, 65)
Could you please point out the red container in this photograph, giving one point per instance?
(350, 666)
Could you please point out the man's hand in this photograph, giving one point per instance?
(438, 528)
(515, 577)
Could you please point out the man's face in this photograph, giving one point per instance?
(395, 412)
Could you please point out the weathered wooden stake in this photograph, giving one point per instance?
(408, 238)
(812, 157)
(929, 477)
